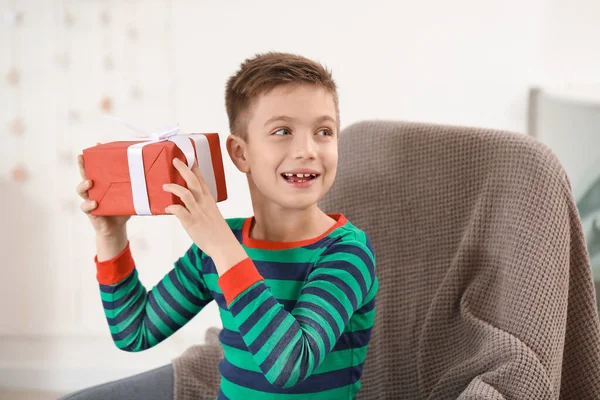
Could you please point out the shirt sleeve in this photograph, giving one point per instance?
(138, 319)
(289, 346)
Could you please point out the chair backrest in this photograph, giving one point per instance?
(485, 285)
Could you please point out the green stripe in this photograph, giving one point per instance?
(280, 288)
(278, 368)
(353, 259)
(325, 305)
(190, 285)
(285, 289)
(138, 341)
(167, 309)
(187, 263)
(114, 329)
(227, 320)
(261, 325)
(334, 361)
(274, 340)
(178, 296)
(140, 295)
(361, 322)
(211, 281)
(293, 255)
(160, 325)
(235, 223)
(322, 322)
(344, 276)
(247, 311)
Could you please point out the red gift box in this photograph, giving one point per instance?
(110, 168)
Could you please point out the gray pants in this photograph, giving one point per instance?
(156, 384)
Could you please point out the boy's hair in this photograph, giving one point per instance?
(264, 72)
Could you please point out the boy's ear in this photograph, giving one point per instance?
(236, 147)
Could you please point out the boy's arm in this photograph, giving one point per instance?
(139, 319)
(288, 347)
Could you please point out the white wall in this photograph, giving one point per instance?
(465, 62)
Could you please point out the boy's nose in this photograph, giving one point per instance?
(304, 146)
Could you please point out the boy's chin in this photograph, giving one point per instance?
(298, 202)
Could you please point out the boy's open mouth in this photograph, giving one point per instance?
(299, 178)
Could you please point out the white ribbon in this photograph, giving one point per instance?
(136, 161)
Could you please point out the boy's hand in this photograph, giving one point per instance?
(104, 226)
(202, 219)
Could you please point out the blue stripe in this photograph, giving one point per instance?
(351, 269)
(219, 298)
(329, 298)
(346, 341)
(367, 307)
(261, 310)
(288, 305)
(242, 302)
(208, 266)
(278, 349)
(284, 270)
(340, 284)
(140, 320)
(266, 334)
(173, 303)
(315, 325)
(113, 305)
(189, 276)
(269, 269)
(221, 395)
(314, 383)
(168, 321)
(325, 242)
(320, 311)
(314, 346)
(123, 315)
(238, 235)
(232, 339)
(285, 374)
(129, 328)
(184, 292)
(352, 340)
(191, 256)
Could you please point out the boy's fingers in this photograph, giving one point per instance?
(88, 206)
(190, 178)
(179, 211)
(81, 167)
(82, 189)
(186, 196)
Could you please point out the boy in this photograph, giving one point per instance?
(295, 287)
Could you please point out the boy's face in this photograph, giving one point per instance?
(291, 130)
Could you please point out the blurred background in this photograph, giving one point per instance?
(528, 66)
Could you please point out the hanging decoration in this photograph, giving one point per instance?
(16, 125)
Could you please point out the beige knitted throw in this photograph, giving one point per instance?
(486, 289)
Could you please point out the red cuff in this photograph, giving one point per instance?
(238, 278)
(113, 271)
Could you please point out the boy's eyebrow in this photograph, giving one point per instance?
(289, 119)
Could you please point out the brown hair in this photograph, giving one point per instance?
(266, 71)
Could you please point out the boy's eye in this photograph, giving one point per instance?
(281, 132)
(326, 132)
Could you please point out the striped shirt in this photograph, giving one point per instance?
(297, 316)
